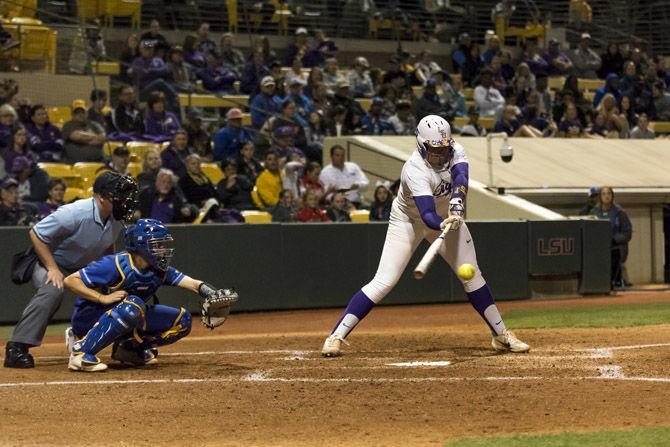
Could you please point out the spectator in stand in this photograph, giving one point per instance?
(285, 210)
(126, 118)
(661, 102)
(612, 61)
(344, 176)
(314, 79)
(311, 212)
(217, 78)
(45, 139)
(403, 121)
(390, 96)
(181, 74)
(159, 124)
(628, 110)
(283, 138)
(429, 103)
(611, 86)
(473, 128)
(509, 124)
(119, 162)
(33, 181)
(520, 92)
(523, 70)
(83, 138)
(154, 34)
(8, 117)
(424, 67)
(152, 74)
(57, 187)
(92, 49)
(360, 83)
(162, 200)
(95, 112)
(454, 99)
(263, 42)
(506, 68)
(622, 231)
(315, 133)
(17, 146)
(639, 59)
(319, 97)
(597, 129)
(488, 99)
(234, 190)
(499, 80)
(586, 61)
(544, 105)
(151, 164)
(616, 123)
(297, 48)
(535, 61)
(295, 74)
(229, 54)
(570, 126)
(277, 74)
(192, 54)
(380, 210)
(460, 54)
(174, 157)
(583, 105)
(205, 45)
(492, 49)
(373, 123)
(330, 75)
(337, 123)
(471, 68)
(559, 64)
(354, 111)
(310, 180)
(321, 49)
(398, 76)
(268, 183)
(642, 131)
(592, 202)
(227, 140)
(630, 83)
(247, 164)
(337, 211)
(254, 71)
(304, 106)
(12, 211)
(195, 185)
(265, 104)
(199, 138)
(129, 54)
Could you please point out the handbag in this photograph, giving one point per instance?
(23, 264)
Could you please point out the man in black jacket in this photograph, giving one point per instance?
(165, 201)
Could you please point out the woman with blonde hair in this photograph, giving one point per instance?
(151, 164)
(616, 123)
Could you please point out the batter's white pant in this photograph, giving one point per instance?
(402, 238)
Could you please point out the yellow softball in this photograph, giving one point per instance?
(466, 271)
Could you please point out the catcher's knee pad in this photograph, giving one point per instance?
(129, 312)
(180, 329)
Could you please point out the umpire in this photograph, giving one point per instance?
(67, 240)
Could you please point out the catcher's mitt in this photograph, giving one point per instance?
(216, 305)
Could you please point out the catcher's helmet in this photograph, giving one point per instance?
(434, 142)
(151, 239)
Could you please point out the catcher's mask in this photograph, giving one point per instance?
(152, 240)
(119, 189)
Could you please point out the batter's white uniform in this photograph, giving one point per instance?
(406, 228)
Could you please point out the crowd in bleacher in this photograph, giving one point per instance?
(270, 146)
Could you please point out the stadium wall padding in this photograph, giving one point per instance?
(301, 266)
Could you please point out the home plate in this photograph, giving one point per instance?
(412, 364)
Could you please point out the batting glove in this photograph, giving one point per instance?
(454, 220)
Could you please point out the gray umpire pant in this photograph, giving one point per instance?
(42, 306)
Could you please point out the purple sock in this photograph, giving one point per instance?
(359, 306)
(482, 300)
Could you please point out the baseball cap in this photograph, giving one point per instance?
(8, 182)
(403, 103)
(20, 163)
(121, 151)
(553, 41)
(301, 30)
(342, 83)
(234, 114)
(147, 43)
(194, 114)
(594, 191)
(377, 100)
(78, 104)
(267, 80)
(586, 36)
(363, 62)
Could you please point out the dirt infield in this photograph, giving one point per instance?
(261, 381)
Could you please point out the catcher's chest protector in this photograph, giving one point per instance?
(141, 284)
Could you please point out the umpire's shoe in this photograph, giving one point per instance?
(17, 356)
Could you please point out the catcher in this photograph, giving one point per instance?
(112, 302)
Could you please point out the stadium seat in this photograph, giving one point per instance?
(134, 169)
(469, 93)
(74, 193)
(88, 171)
(210, 100)
(109, 147)
(59, 115)
(660, 126)
(257, 217)
(165, 145)
(246, 119)
(213, 172)
(38, 43)
(556, 82)
(360, 216)
(64, 171)
(139, 148)
(106, 68)
(89, 9)
(122, 8)
(365, 103)
(231, 5)
(487, 123)
(590, 84)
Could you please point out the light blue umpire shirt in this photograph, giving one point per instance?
(76, 234)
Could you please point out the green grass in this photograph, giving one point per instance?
(647, 437)
(615, 315)
(54, 329)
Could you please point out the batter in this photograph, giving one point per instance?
(433, 183)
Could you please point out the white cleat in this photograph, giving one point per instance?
(70, 339)
(85, 362)
(331, 347)
(508, 342)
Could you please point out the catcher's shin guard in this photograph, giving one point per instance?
(180, 329)
(121, 319)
